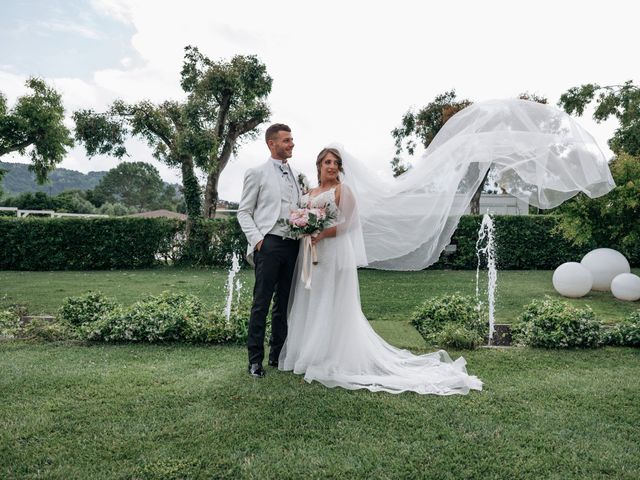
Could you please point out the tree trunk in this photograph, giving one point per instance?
(191, 192)
(475, 200)
(211, 193)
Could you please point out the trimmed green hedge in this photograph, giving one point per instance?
(83, 243)
(522, 242)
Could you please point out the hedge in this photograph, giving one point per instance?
(83, 243)
(522, 242)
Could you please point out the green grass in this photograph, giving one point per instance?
(386, 296)
(175, 411)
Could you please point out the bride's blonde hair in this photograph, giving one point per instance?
(322, 154)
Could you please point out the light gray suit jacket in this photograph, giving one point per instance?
(260, 204)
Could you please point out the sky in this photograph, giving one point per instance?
(343, 71)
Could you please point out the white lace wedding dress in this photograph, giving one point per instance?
(330, 340)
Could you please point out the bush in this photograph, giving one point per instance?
(46, 331)
(9, 323)
(456, 336)
(215, 328)
(166, 317)
(522, 242)
(451, 318)
(83, 243)
(552, 323)
(86, 308)
(626, 333)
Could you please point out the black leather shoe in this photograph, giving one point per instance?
(256, 370)
(273, 363)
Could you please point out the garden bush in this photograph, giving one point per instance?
(161, 318)
(552, 323)
(626, 333)
(86, 308)
(214, 327)
(9, 323)
(451, 318)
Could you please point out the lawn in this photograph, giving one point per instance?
(71, 410)
(126, 411)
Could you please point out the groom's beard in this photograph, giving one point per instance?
(284, 153)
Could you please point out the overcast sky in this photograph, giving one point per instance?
(344, 71)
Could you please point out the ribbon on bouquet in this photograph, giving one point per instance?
(309, 259)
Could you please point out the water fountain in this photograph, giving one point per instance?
(486, 234)
(235, 268)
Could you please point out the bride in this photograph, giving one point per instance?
(329, 338)
(536, 152)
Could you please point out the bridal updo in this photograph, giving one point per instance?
(322, 154)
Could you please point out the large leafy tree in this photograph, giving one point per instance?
(610, 220)
(35, 126)
(226, 102)
(134, 184)
(619, 101)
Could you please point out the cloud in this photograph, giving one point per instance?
(67, 27)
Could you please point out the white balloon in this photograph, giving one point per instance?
(605, 264)
(572, 279)
(626, 286)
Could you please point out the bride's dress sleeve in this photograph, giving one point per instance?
(348, 227)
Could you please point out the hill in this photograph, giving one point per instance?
(19, 179)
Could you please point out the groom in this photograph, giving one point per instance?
(270, 191)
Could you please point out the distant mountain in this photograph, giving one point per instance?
(19, 179)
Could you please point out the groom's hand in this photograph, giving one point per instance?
(259, 245)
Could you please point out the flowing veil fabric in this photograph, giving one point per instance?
(539, 154)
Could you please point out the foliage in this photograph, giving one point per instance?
(423, 126)
(626, 333)
(214, 327)
(161, 318)
(2, 174)
(35, 126)
(84, 243)
(458, 337)
(552, 323)
(620, 101)
(522, 242)
(213, 242)
(610, 220)
(226, 101)
(86, 308)
(135, 184)
(469, 323)
(9, 323)
(39, 329)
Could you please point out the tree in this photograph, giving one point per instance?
(35, 126)
(2, 172)
(226, 101)
(135, 184)
(620, 101)
(609, 220)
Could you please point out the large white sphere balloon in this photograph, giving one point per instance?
(626, 286)
(572, 279)
(605, 264)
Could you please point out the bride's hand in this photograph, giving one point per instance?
(315, 238)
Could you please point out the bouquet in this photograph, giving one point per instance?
(305, 222)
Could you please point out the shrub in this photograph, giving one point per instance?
(9, 323)
(165, 317)
(457, 336)
(86, 308)
(46, 331)
(626, 333)
(215, 328)
(461, 312)
(552, 323)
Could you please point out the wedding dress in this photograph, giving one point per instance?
(538, 153)
(330, 340)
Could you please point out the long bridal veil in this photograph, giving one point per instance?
(538, 154)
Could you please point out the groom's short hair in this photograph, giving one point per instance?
(272, 131)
